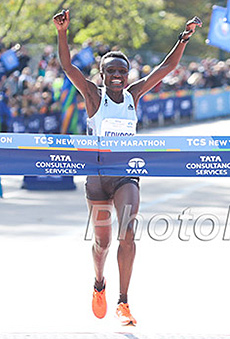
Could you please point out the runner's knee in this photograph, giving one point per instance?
(126, 236)
(102, 243)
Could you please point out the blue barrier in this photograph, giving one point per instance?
(196, 105)
(48, 183)
(167, 105)
(211, 103)
(150, 110)
(70, 155)
(37, 123)
(184, 105)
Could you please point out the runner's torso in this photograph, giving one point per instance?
(113, 119)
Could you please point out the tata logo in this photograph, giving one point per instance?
(136, 166)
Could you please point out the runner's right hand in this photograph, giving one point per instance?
(61, 20)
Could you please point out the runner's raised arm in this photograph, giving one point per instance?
(170, 62)
(87, 88)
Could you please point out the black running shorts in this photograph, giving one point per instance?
(103, 188)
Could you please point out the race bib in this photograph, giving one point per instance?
(118, 127)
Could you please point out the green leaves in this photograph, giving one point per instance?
(129, 24)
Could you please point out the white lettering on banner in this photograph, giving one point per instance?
(209, 165)
(137, 167)
(210, 158)
(60, 172)
(217, 142)
(6, 140)
(60, 164)
(196, 142)
(44, 140)
(136, 171)
(143, 143)
(86, 142)
(44, 164)
(210, 142)
(64, 142)
(109, 143)
(54, 157)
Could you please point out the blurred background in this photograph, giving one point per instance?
(42, 233)
(36, 97)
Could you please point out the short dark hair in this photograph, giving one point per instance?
(114, 54)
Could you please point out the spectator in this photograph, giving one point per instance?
(25, 92)
(2, 67)
(12, 83)
(25, 79)
(23, 57)
(5, 112)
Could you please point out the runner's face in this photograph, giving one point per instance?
(115, 73)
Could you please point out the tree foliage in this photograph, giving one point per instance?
(132, 24)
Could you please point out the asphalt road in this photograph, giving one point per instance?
(179, 287)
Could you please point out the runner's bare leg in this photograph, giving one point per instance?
(101, 219)
(127, 194)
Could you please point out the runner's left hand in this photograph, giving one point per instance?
(191, 26)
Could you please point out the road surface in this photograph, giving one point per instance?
(180, 285)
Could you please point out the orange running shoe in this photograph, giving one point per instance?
(99, 304)
(124, 315)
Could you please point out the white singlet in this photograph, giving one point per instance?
(113, 119)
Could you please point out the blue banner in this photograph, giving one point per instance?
(46, 163)
(137, 143)
(10, 60)
(39, 154)
(68, 155)
(166, 164)
(219, 29)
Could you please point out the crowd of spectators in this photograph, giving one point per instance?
(26, 90)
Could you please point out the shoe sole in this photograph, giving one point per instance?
(131, 323)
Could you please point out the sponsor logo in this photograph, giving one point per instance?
(130, 107)
(136, 166)
(60, 164)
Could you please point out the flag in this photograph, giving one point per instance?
(69, 107)
(219, 29)
(69, 93)
(84, 58)
(9, 60)
(228, 12)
